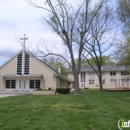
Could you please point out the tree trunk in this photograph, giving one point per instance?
(100, 83)
(76, 83)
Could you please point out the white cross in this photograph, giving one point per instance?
(24, 39)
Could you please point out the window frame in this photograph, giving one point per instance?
(19, 64)
(91, 81)
(11, 84)
(83, 77)
(113, 73)
(34, 84)
(113, 81)
(103, 81)
(26, 64)
(124, 73)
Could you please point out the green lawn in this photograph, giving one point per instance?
(92, 110)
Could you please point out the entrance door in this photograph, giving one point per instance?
(22, 85)
(83, 85)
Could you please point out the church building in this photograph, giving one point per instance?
(25, 72)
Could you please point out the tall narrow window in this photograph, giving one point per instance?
(19, 64)
(82, 76)
(26, 64)
(103, 81)
(20, 84)
(32, 84)
(7, 85)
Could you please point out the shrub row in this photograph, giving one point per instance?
(63, 90)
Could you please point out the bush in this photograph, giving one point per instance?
(49, 88)
(63, 90)
(86, 88)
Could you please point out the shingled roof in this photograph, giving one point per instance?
(105, 68)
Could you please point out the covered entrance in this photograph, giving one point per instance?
(22, 83)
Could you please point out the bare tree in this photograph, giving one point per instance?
(73, 26)
(101, 39)
(56, 63)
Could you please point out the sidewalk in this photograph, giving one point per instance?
(8, 95)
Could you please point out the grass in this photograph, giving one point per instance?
(92, 110)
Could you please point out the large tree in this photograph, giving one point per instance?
(122, 53)
(74, 26)
(102, 37)
(123, 13)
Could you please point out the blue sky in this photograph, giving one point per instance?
(18, 17)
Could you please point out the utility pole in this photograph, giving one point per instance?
(23, 54)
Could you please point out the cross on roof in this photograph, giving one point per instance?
(24, 39)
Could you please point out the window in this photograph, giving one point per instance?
(32, 84)
(7, 83)
(91, 81)
(26, 64)
(103, 81)
(124, 73)
(113, 81)
(82, 76)
(10, 84)
(35, 84)
(113, 73)
(19, 64)
(20, 84)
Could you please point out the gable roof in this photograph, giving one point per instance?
(40, 61)
(10, 59)
(105, 68)
(32, 55)
(43, 63)
(56, 73)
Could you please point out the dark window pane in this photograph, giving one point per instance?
(37, 83)
(26, 64)
(19, 64)
(32, 84)
(7, 84)
(13, 83)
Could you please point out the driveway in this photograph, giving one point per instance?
(8, 95)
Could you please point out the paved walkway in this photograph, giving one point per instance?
(8, 95)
